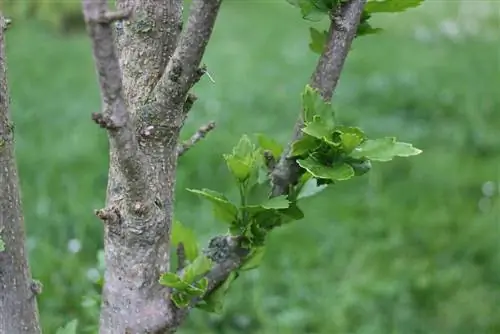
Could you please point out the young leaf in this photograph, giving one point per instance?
(291, 213)
(360, 166)
(365, 28)
(181, 233)
(267, 143)
(279, 202)
(200, 266)
(69, 328)
(239, 167)
(244, 148)
(254, 259)
(391, 6)
(384, 149)
(173, 281)
(181, 300)
(304, 145)
(350, 141)
(318, 40)
(312, 11)
(202, 284)
(317, 128)
(223, 209)
(310, 188)
(336, 173)
(313, 104)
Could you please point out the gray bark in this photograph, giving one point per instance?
(18, 307)
(146, 63)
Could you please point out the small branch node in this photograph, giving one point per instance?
(110, 216)
(6, 23)
(104, 121)
(148, 131)
(36, 287)
(139, 208)
(110, 17)
(269, 160)
(188, 104)
(199, 135)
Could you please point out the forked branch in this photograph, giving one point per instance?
(115, 116)
(183, 70)
(342, 31)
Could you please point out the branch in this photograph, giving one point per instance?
(115, 117)
(183, 71)
(199, 135)
(342, 31)
(343, 27)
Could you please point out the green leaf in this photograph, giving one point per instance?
(214, 302)
(202, 284)
(181, 300)
(2, 245)
(311, 12)
(337, 172)
(360, 166)
(391, 6)
(291, 214)
(69, 328)
(279, 202)
(242, 162)
(314, 105)
(184, 235)
(223, 209)
(200, 266)
(253, 260)
(384, 149)
(318, 40)
(244, 148)
(365, 29)
(317, 128)
(350, 141)
(310, 188)
(173, 281)
(269, 144)
(304, 145)
(240, 168)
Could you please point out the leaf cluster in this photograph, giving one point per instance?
(329, 152)
(326, 152)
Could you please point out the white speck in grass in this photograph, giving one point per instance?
(423, 34)
(488, 188)
(74, 246)
(450, 29)
(484, 204)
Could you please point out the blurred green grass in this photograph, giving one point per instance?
(411, 248)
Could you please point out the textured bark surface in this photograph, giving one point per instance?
(18, 307)
(145, 70)
(146, 62)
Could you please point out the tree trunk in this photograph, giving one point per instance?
(18, 307)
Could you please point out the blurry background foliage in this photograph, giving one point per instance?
(413, 247)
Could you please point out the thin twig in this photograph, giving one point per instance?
(199, 135)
